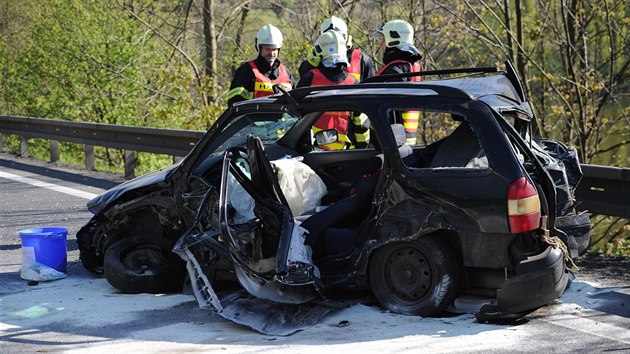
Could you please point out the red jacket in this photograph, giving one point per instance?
(263, 85)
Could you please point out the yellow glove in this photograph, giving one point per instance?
(313, 59)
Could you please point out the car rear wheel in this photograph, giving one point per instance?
(415, 278)
(143, 264)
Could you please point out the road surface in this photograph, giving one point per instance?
(82, 313)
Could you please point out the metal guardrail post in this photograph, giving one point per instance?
(54, 151)
(130, 164)
(23, 146)
(89, 157)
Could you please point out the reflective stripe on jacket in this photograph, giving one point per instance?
(240, 91)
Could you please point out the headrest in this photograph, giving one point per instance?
(399, 134)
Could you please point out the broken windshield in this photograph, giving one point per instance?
(268, 127)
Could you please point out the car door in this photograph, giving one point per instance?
(267, 247)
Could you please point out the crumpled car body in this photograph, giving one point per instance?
(480, 219)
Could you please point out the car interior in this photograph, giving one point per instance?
(445, 140)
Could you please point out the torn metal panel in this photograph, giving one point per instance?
(271, 318)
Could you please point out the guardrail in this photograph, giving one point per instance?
(603, 190)
(132, 139)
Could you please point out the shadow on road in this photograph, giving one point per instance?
(84, 311)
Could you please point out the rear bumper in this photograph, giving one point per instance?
(539, 280)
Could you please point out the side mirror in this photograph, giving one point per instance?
(324, 137)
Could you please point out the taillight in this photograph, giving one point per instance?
(523, 206)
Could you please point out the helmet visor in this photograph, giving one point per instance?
(334, 59)
(409, 48)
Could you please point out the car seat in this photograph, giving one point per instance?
(457, 149)
(334, 229)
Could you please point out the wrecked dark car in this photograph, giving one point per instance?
(478, 215)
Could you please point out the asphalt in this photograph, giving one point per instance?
(24, 206)
(83, 313)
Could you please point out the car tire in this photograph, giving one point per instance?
(415, 278)
(143, 264)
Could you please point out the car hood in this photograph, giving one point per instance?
(99, 203)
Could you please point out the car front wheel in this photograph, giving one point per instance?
(415, 278)
(143, 264)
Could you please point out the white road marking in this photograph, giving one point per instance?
(54, 187)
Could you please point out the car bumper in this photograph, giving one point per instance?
(539, 280)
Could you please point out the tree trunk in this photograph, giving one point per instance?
(210, 39)
(520, 58)
(241, 26)
(521, 61)
(243, 21)
(508, 26)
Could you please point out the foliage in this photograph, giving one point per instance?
(616, 248)
(90, 61)
(610, 235)
(146, 63)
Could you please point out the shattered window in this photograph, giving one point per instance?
(267, 126)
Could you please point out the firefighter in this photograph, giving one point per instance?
(256, 78)
(401, 56)
(352, 128)
(360, 65)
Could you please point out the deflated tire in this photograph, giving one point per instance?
(143, 264)
(415, 278)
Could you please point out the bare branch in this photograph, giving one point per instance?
(184, 54)
(611, 148)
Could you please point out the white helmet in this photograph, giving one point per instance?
(269, 35)
(336, 24)
(331, 48)
(399, 34)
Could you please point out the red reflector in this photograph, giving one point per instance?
(523, 223)
(523, 206)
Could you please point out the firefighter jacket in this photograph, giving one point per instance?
(256, 78)
(352, 128)
(398, 62)
(361, 66)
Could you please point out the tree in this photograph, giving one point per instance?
(170, 62)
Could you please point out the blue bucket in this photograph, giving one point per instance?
(49, 245)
